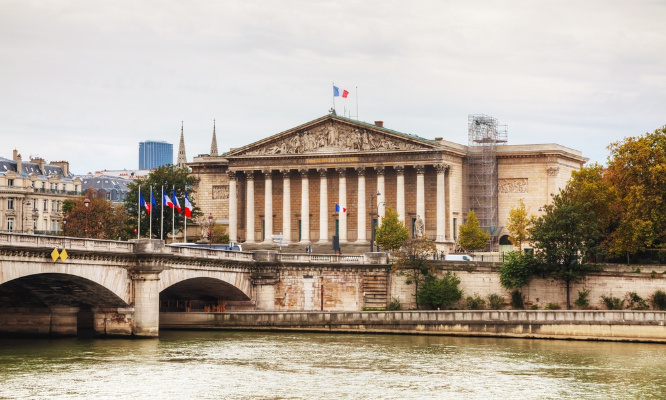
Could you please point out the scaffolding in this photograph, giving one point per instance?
(484, 137)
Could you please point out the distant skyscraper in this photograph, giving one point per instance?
(154, 154)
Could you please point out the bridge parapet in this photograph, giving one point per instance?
(199, 252)
(33, 241)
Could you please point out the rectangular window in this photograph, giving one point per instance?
(10, 182)
(455, 229)
(10, 204)
(10, 224)
(46, 205)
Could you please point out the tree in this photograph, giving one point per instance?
(519, 223)
(563, 237)
(517, 270)
(636, 171)
(414, 261)
(392, 233)
(472, 237)
(439, 293)
(167, 177)
(100, 220)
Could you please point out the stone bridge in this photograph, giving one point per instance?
(62, 285)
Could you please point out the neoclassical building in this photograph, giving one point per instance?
(293, 183)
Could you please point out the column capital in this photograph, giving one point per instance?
(304, 172)
(341, 170)
(285, 173)
(322, 172)
(442, 168)
(420, 169)
(380, 170)
(267, 173)
(399, 169)
(232, 175)
(249, 175)
(360, 171)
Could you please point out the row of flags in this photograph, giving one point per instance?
(172, 202)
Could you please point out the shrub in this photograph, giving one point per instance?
(658, 300)
(552, 306)
(495, 302)
(394, 305)
(517, 300)
(636, 302)
(582, 301)
(653, 274)
(439, 293)
(638, 270)
(474, 303)
(612, 303)
(534, 307)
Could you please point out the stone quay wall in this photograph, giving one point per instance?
(633, 326)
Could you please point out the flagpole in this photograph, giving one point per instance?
(173, 216)
(138, 200)
(357, 103)
(162, 215)
(185, 228)
(333, 96)
(150, 236)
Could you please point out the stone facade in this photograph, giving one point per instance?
(363, 167)
(32, 192)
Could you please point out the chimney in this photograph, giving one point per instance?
(40, 162)
(64, 165)
(379, 123)
(19, 162)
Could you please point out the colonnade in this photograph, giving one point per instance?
(378, 196)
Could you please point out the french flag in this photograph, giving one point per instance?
(175, 201)
(340, 209)
(188, 206)
(336, 92)
(144, 202)
(167, 201)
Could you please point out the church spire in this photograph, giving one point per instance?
(213, 144)
(182, 157)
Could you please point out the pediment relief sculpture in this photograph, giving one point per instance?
(331, 137)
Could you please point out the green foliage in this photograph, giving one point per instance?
(517, 269)
(552, 306)
(636, 302)
(517, 300)
(474, 302)
(167, 177)
(439, 293)
(583, 300)
(534, 307)
(636, 171)
(653, 274)
(612, 303)
(658, 300)
(495, 302)
(219, 234)
(519, 223)
(67, 205)
(472, 237)
(392, 233)
(637, 271)
(394, 305)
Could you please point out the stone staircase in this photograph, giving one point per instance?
(375, 289)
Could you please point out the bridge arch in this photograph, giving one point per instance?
(209, 284)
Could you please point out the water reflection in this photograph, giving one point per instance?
(256, 365)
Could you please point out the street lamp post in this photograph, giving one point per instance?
(210, 230)
(372, 221)
(64, 226)
(86, 203)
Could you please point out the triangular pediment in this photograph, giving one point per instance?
(332, 134)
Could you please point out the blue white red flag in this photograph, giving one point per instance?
(336, 92)
(175, 201)
(188, 206)
(340, 209)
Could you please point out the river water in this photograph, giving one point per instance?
(265, 365)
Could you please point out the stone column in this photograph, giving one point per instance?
(420, 193)
(305, 207)
(268, 206)
(286, 205)
(249, 215)
(342, 202)
(400, 192)
(233, 207)
(146, 303)
(323, 206)
(441, 203)
(361, 235)
(381, 202)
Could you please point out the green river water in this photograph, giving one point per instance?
(266, 365)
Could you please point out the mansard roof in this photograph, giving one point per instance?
(334, 134)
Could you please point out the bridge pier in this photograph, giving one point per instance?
(146, 303)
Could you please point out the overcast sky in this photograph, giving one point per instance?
(86, 81)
